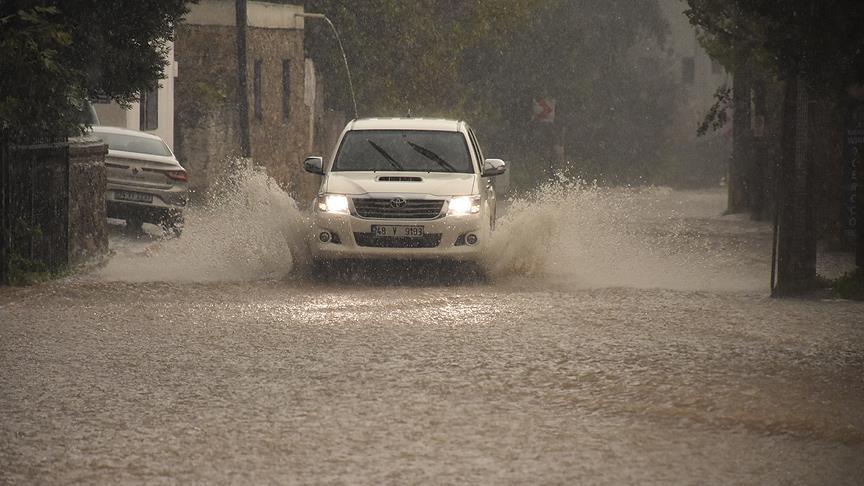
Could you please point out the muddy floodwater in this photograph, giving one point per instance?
(618, 337)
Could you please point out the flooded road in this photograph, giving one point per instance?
(621, 337)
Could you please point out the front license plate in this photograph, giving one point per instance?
(133, 196)
(388, 230)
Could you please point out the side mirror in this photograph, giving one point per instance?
(493, 167)
(314, 165)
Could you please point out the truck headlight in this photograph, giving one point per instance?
(333, 203)
(462, 205)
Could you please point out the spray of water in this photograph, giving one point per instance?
(565, 233)
(578, 234)
(248, 228)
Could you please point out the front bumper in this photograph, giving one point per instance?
(353, 238)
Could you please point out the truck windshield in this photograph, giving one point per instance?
(403, 150)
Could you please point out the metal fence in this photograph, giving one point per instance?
(34, 212)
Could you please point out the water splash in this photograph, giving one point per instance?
(578, 234)
(248, 228)
(566, 232)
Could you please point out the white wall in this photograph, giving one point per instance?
(165, 108)
(206, 12)
(258, 14)
(683, 43)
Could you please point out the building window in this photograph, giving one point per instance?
(256, 90)
(148, 110)
(688, 70)
(286, 89)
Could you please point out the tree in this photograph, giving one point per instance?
(55, 54)
(603, 64)
(817, 50)
(405, 56)
(733, 39)
(486, 61)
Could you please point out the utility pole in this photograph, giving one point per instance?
(242, 91)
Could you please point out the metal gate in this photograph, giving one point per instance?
(34, 208)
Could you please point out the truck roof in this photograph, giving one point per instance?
(435, 124)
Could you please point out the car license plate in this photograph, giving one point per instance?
(133, 196)
(383, 230)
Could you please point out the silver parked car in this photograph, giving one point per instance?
(146, 184)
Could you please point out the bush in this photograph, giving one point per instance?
(850, 285)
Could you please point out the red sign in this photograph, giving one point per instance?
(543, 110)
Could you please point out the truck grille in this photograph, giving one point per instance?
(400, 179)
(431, 240)
(397, 208)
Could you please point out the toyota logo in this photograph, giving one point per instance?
(397, 202)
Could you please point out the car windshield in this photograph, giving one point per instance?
(404, 150)
(131, 143)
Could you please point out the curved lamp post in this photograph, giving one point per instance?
(344, 58)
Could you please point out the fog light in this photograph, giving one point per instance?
(471, 239)
(324, 237)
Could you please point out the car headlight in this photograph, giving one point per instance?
(462, 205)
(333, 203)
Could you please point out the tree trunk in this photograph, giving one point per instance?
(796, 238)
(740, 167)
(762, 163)
(859, 212)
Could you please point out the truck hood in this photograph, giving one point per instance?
(433, 183)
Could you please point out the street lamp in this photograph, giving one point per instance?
(339, 40)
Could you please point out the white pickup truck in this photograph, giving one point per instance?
(404, 188)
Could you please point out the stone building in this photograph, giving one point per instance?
(700, 74)
(280, 108)
(705, 157)
(197, 112)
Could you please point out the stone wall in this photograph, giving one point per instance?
(52, 206)
(278, 143)
(88, 229)
(205, 116)
(34, 234)
(206, 120)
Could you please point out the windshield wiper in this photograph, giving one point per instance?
(386, 155)
(431, 156)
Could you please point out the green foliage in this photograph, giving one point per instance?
(403, 55)
(487, 60)
(850, 285)
(615, 97)
(822, 41)
(24, 272)
(54, 54)
(37, 88)
(717, 115)
(734, 39)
